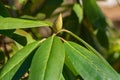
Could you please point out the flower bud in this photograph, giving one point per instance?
(58, 24)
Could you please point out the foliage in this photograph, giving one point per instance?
(75, 48)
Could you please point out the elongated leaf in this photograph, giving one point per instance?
(94, 14)
(14, 63)
(25, 34)
(62, 77)
(4, 13)
(79, 11)
(24, 67)
(18, 38)
(48, 60)
(88, 65)
(15, 23)
(7, 32)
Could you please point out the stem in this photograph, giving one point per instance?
(62, 39)
(87, 45)
(81, 40)
(54, 34)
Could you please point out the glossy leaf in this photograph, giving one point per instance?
(14, 63)
(15, 23)
(48, 60)
(88, 65)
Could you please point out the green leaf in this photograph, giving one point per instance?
(79, 11)
(7, 32)
(3, 11)
(15, 23)
(94, 14)
(48, 60)
(62, 77)
(14, 63)
(102, 38)
(18, 38)
(24, 67)
(68, 74)
(23, 33)
(88, 65)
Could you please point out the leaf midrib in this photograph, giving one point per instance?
(48, 57)
(85, 58)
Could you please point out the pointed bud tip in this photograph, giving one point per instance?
(58, 23)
